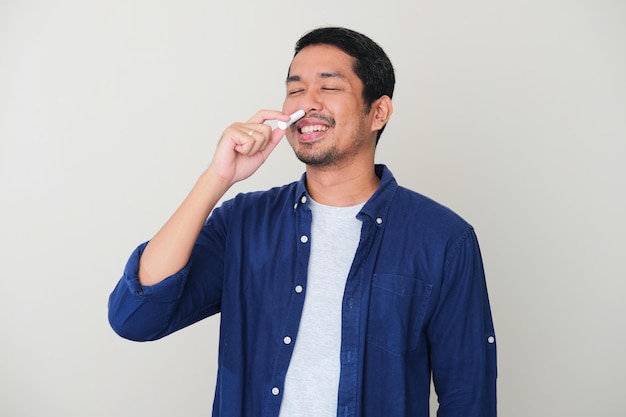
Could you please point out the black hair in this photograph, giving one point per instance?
(371, 63)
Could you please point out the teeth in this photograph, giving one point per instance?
(315, 128)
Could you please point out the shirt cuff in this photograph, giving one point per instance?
(168, 288)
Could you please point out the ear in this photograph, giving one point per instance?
(382, 109)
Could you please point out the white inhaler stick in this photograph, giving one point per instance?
(292, 119)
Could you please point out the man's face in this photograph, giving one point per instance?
(335, 129)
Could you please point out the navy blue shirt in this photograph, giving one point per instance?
(415, 304)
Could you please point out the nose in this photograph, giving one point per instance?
(310, 101)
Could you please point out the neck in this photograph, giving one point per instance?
(341, 187)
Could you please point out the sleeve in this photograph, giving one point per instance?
(462, 338)
(144, 313)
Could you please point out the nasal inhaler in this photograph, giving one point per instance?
(292, 119)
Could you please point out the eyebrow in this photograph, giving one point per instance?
(333, 74)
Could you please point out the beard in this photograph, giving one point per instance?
(317, 158)
(329, 154)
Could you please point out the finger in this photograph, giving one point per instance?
(244, 146)
(263, 116)
(276, 136)
(262, 134)
(258, 141)
(253, 140)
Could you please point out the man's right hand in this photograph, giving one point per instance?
(240, 152)
(244, 147)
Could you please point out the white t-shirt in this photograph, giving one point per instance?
(312, 381)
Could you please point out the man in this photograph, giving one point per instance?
(340, 294)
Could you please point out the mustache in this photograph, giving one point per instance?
(328, 119)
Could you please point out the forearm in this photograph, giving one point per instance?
(240, 152)
(462, 338)
(169, 250)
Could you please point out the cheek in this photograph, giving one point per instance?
(290, 105)
(291, 136)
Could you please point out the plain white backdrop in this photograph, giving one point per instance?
(512, 113)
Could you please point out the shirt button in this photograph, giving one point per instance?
(299, 289)
(287, 340)
(303, 199)
(295, 206)
(304, 239)
(491, 339)
(379, 220)
(275, 391)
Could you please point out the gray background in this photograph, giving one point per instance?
(513, 113)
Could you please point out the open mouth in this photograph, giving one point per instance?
(313, 128)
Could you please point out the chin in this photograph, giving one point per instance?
(317, 159)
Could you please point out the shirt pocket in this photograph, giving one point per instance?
(396, 312)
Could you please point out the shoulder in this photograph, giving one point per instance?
(424, 210)
(276, 195)
(428, 223)
(275, 200)
(410, 212)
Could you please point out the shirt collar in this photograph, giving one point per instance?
(376, 208)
